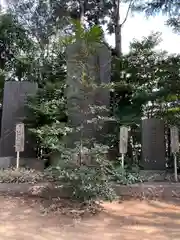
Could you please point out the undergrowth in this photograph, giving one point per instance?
(23, 175)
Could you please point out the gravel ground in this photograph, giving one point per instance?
(32, 219)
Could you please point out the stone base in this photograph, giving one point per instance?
(7, 162)
(33, 163)
(157, 176)
(159, 190)
(152, 175)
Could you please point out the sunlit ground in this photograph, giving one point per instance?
(22, 219)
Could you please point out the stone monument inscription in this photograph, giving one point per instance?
(153, 144)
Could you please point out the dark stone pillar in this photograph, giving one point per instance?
(14, 111)
(153, 144)
(79, 96)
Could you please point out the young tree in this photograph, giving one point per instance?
(82, 166)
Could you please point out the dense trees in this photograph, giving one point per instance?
(33, 35)
(145, 82)
(44, 18)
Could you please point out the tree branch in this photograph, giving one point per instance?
(127, 13)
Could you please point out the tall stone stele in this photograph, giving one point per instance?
(14, 111)
(153, 144)
(87, 65)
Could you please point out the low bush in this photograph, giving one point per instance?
(85, 181)
(86, 176)
(124, 176)
(23, 175)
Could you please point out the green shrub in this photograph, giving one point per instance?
(83, 169)
(124, 176)
(86, 178)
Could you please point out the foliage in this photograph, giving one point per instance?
(14, 42)
(145, 89)
(30, 48)
(86, 178)
(39, 18)
(147, 86)
(47, 18)
(44, 19)
(145, 81)
(149, 78)
(47, 116)
(169, 8)
(22, 175)
(86, 182)
(124, 175)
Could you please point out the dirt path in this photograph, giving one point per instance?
(130, 220)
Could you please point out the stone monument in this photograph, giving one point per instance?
(96, 69)
(153, 144)
(14, 100)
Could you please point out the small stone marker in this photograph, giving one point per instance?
(123, 140)
(19, 145)
(175, 147)
(123, 143)
(19, 141)
(174, 139)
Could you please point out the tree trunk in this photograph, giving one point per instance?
(82, 11)
(117, 26)
(118, 40)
